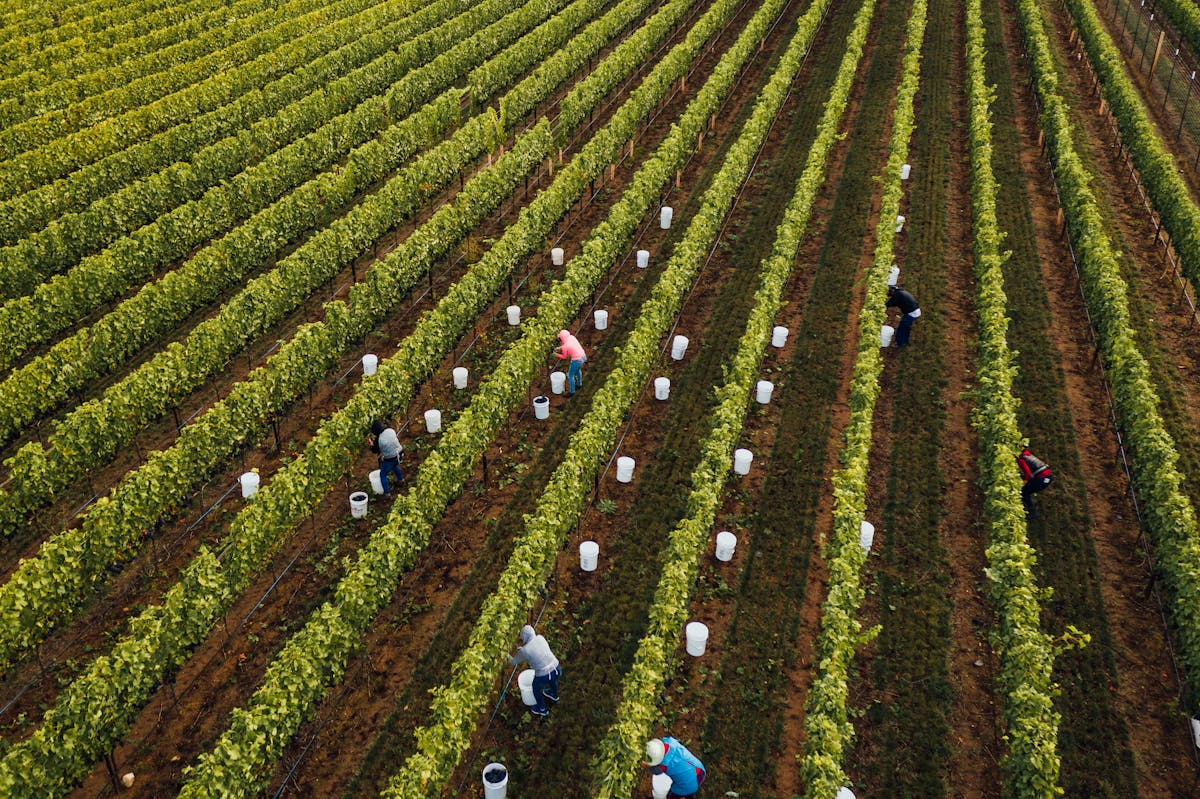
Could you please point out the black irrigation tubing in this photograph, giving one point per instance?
(1173, 263)
(608, 103)
(203, 670)
(500, 701)
(628, 426)
(57, 660)
(1143, 539)
(335, 703)
(549, 591)
(287, 569)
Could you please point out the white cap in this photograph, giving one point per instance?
(655, 749)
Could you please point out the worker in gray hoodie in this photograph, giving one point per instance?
(536, 652)
(384, 442)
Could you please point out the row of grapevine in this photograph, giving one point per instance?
(92, 433)
(1185, 16)
(111, 529)
(289, 692)
(214, 146)
(21, 19)
(1170, 517)
(161, 635)
(615, 764)
(96, 709)
(1168, 193)
(1031, 764)
(100, 278)
(827, 727)
(39, 46)
(33, 160)
(199, 42)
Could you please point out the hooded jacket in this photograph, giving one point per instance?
(571, 348)
(685, 769)
(536, 652)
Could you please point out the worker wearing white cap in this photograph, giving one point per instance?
(668, 756)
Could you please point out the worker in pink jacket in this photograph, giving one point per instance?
(570, 348)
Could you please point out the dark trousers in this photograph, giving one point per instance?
(1031, 487)
(903, 330)
(545, 687)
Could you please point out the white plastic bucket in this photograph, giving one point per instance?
(885, 335)
(866, 535)
(376, 481)
(558, 382)
(899, 222)
(1195, 732)
(625, 469)
(370, 363)
(763, 390)
(696, 633)
(726, 544)
(601, 317)
(741, 461)
(249, 481)
(460, 377)
(664, 217)
(358, 504)
(514, 315)
(779, 336)
(905, 171)
(846, 793)
(499, 788)
(893, 275)
(589, 556)
(525, 683)
(556, 256)
(643, 259)
(662, 388)
(660, 786)
(541, 406)
(433, 420)
(678, 347)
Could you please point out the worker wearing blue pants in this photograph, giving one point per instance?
(536, 652)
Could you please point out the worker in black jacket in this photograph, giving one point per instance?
(909, 312)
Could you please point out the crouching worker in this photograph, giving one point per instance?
(668, 756)
(1036, 474)
(384, 442)
(536, 652)
(570, 349)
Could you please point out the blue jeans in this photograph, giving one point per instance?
(545, 687)
(575, 375)
(390, 465)
(902, 331)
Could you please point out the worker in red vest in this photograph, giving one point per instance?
(1036, 474)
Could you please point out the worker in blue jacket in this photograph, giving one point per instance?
(668, 756)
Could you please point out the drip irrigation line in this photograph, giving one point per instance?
(220, 652)
(725, 223)
(1143, 538)
(500, 701)
(57, 660)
